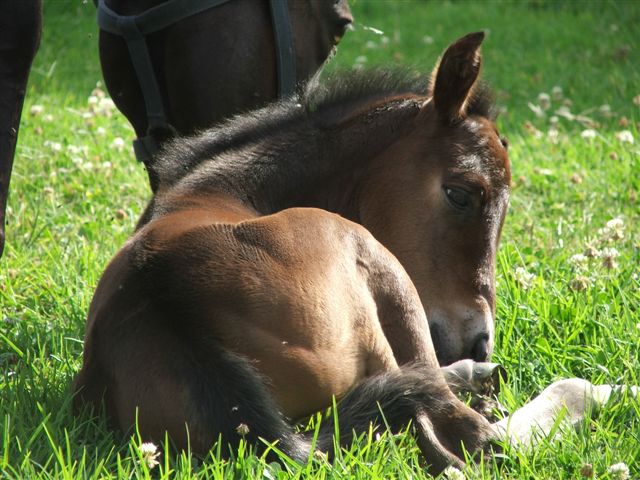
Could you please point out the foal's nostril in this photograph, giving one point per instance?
(480, 349)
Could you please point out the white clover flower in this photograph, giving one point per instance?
(242, 429)
(589, 133)
(101, 131)
(75, 150)
(636, 100)
(524, 278)
(544, 100)
(55, 146)
(36, 110)
(452, 473)
(106, 106)
(591, 251)
(609, 256)
(98, 92)
(619, 471)
(553, 135)
(48, 118)
(149, 454)
(556, 93)
(427, 40)
(118, 143)
(371, 45)
(92, 100)
(579, 283)
(578, 259)
(613, 230)
(576, 178)
(625, 136)
(609, 252)
(320, 455)
(605, 110)
(615, 223)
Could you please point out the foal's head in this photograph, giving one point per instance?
(444, 204)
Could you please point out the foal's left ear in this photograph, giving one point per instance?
(453, 79)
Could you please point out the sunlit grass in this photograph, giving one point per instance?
(77, 191)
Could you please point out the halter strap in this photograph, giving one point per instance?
(285, 56)
(134, 28)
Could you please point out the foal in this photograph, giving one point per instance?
(288, 257)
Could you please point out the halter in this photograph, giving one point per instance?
(134, 28)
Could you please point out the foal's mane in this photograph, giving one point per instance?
(314, 105)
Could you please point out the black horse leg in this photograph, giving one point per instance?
(20, 26)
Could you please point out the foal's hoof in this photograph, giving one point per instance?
(481, 382)
(478, 378)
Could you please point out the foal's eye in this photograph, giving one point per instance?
(457, 197)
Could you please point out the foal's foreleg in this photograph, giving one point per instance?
(400, 311)
(441, 421)
(564, 403)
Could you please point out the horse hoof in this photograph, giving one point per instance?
(479, 378)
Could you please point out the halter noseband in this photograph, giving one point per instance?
(134, 28)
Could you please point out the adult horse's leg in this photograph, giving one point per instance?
(20, 26)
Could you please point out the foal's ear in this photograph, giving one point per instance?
(453, 79)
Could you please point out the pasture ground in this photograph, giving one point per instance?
(77, 192)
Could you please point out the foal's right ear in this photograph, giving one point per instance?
(453, 79)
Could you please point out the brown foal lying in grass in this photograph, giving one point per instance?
(313, 249)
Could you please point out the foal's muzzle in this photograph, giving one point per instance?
(462, 333)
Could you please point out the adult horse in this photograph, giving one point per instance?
(179, 78)
(177, 66)
(259, 286)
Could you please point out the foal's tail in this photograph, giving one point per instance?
(241, 407)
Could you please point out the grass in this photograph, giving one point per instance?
(76, 194)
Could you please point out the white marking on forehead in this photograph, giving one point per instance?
(470, 162)
(473, 125)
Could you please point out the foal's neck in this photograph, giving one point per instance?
(319, 163)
